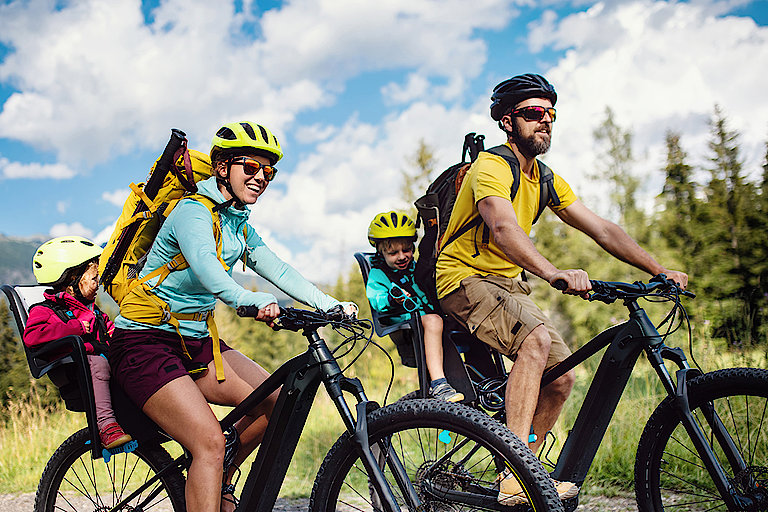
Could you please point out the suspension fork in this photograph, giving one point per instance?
(678, 391)
(357, 425)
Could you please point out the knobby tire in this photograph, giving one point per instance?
(421, 431)
(74, 481)
(670, 475)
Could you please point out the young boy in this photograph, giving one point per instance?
(69, 264)
(391, 289)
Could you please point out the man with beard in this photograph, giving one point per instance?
(478, 273)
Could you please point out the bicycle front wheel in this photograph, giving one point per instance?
(670, 475)
(74, 481)
(435, 456)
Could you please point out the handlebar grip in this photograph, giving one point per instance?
(560, 284)
(247, 311)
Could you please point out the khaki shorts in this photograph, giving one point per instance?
(499, 312)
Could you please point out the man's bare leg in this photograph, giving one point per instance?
(551, 401)
(523, 383)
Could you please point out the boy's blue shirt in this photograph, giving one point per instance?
(377, 291)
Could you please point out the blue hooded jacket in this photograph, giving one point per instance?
(189, 230)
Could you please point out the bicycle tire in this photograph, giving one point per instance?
(72, 480)
(669, 475)
(419, 430)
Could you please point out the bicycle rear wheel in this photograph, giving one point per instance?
(74, 481)
(670, 475)
(451, 454)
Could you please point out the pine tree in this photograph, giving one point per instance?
(415, 183)
(14, 374)
(678, 198)
(615, 167)
(731, 240)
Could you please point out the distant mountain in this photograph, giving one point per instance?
(16, 259)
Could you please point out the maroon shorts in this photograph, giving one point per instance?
(145, 360)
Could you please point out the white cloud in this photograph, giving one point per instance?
(325, 206)
(116, 197)
(98, 81)
(64, 229)
(34, 171)
(102, 237)
(659, 66)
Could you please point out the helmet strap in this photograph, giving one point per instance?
(235, 201)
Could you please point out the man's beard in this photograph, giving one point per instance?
(531, 146)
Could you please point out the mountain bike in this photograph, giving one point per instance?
(414, 455)
(705, 447)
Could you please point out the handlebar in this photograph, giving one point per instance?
(295, 319)
(610, 291)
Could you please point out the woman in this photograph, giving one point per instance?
(174, 379)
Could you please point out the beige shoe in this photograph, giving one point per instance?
(566, 490)
(510, 492)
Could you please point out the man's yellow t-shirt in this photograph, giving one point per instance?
(490, 175)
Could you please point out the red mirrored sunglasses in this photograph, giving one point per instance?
(535, 113)
(252, 167)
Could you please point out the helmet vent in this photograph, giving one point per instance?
(393, 216)
(264, 135)
(384, 221)
(249, 130)
(226, 133)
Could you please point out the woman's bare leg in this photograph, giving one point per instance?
(181, 410)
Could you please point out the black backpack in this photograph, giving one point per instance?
(435, 207)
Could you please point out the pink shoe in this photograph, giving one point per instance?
(113, 436)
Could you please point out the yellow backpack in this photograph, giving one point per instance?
(173, 177)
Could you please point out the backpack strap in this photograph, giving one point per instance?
(145, 307)
(64, 314)
(547, 193)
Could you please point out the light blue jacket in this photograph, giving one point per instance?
(189, 230)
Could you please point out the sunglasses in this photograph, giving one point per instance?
(252, 167)
(535, 113)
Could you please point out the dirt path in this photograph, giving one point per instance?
(25, 502)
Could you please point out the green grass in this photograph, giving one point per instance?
(32, 432)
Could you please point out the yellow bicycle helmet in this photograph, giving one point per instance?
(52, 259)
(391, 224)
(246, 138)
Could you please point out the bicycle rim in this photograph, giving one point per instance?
(74, 481)
(671, 474)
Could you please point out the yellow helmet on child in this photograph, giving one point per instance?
(52, 259)
(391, 224)
(244, 138)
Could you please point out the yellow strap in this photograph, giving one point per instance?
(144, 197)
(214, 332)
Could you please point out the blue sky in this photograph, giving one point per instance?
(90, 89)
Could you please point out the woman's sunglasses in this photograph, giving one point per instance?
(252, 167)
(535, 113)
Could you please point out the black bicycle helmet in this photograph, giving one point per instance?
(518, 88)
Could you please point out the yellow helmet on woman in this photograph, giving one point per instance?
(55, 257)
(391, 224)
(245, 138)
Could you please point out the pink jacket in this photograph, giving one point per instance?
(44, 325)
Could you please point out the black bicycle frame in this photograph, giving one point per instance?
(300, 378)
(625, 342)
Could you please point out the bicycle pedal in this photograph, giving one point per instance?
(126, 448)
